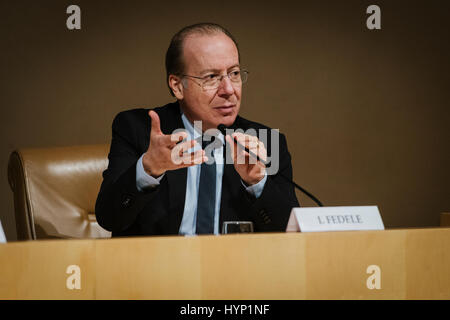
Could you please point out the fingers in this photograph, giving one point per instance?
(194, 158)
(180, 149)
(250, 142)
(262, 152)
(257, 148)
(231, 142)
(156, 124)
(173, 139)
(248, 167)
(238, 154)
(168, 140)
(188, 159)
(181, 158)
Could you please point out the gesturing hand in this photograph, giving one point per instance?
(165, 153)
(250, 170)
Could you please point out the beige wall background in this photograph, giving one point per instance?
(366, 112)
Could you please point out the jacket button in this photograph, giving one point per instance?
(126, 201)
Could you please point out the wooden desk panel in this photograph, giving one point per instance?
(37, 269)
(257, 266)
(337, 265)
(148, 268)
(428, 264)
(414, 264)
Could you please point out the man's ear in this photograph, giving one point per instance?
(176, 84)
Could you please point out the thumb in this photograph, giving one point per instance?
(156, 124)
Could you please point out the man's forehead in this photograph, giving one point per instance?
(210, 52)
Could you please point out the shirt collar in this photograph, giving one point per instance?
(194, 133)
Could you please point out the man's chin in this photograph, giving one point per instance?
(228, 120)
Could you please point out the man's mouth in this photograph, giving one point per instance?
(225, 108)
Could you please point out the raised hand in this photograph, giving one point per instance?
(165, 153)
(250, 170)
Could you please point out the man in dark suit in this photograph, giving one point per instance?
(162, 182)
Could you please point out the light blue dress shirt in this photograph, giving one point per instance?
(188, 223)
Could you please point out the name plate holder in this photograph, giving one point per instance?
(321, 219)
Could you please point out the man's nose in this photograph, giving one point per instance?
(226, 87)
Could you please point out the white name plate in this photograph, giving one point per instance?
(318, 219)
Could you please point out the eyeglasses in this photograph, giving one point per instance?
(213, 81)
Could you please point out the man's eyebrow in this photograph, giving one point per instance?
(217, 70)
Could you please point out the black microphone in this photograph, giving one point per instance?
(222, 129)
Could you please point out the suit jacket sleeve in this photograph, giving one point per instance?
(119, 202)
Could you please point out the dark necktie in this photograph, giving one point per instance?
(206, 194)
